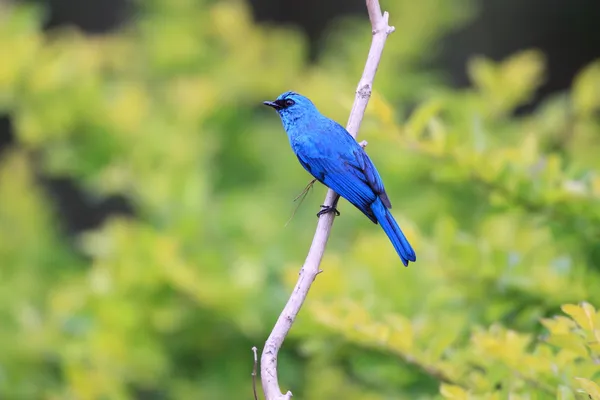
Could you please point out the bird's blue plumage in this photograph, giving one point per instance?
(329, 153)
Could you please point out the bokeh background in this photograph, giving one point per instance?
(144, 195)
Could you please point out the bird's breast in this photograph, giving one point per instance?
(300, 143)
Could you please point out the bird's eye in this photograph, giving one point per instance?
(289, 102)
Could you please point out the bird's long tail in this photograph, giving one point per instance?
(391, 228)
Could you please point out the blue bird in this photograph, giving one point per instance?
(330, 154)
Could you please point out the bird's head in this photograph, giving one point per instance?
(291, 105)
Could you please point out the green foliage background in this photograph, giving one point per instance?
(504, 213)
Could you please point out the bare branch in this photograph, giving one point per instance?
(254, 373)
(310, 269)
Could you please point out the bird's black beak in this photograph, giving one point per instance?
(275, 104)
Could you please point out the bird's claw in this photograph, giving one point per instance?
(327, 209)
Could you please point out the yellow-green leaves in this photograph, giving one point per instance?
(581, 334)
(424, 123)
(19, 43)
(554, 365)
(586, 90)
(589, 387)
(585, 315)
(453, 392)
(510, 83)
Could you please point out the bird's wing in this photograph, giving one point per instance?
(357, 158)
(366, 170)
(344, 178)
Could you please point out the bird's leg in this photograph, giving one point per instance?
(327, 209)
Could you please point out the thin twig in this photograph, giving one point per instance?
(306, 189)
(301, 196)
(254, 368)
(310, 269)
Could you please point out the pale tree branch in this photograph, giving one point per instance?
(254, 373)
(310, 269)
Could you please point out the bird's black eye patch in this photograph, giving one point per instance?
(289, 102)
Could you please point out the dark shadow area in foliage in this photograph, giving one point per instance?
(311, 16)
(92, 16)
(77, 210)
(566, 32)
(6, 132)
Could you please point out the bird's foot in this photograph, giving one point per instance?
(327, 209)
